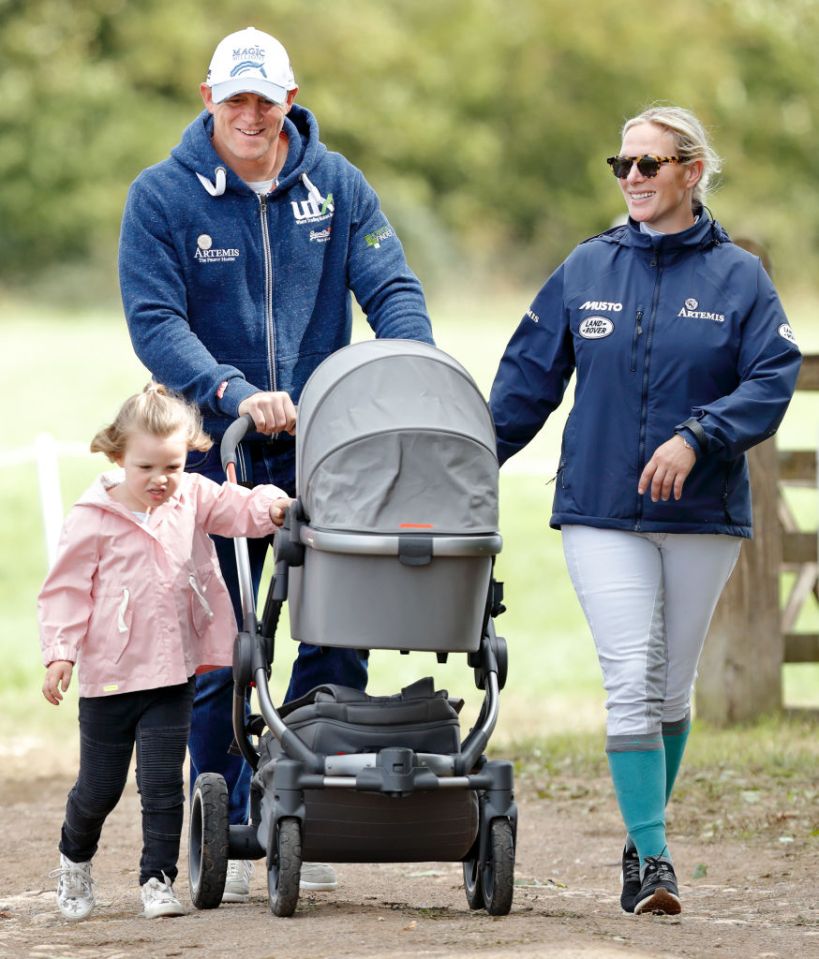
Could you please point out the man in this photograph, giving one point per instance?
(237, 257)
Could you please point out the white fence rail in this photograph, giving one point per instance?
(46, 452)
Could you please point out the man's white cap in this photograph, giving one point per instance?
(250, 61)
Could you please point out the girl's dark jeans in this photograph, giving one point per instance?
(158, 721)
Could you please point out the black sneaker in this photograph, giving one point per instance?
(658, 893)
(630, 877)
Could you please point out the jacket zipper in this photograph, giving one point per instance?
(268, 293)
(638, 332)
(725, 509)
(655, 262)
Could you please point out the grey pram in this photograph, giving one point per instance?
(389, 545)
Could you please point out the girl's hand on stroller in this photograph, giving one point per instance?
(58, 677)
(270, 412)
(277, 508)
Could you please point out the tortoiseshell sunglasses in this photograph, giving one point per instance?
(648, 164)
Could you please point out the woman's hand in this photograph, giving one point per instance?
(277, 508)
(57, 679)
(667, 469)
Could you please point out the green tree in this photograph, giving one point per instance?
(483, 124)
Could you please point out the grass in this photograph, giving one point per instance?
(776, 747)
(749, 782)
(85, 367)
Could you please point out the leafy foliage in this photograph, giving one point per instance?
(482, 124)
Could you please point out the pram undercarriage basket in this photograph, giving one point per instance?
(390, 545)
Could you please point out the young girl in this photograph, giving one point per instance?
(136, 597)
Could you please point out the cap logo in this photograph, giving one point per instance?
(257, 52)
(246, 65)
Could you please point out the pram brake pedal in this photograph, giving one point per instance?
(396, 772)
(351, 764)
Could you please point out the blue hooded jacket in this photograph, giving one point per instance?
(671, 333)
(227, 293)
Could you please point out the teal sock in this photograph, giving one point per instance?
(637, 767)
(675, 736)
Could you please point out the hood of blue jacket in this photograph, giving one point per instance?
(705, 233)
(196, 152)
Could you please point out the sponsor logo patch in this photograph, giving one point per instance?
(207, 253)
(691, 310)
(309, 211)
(596, 327)
(533, 316)
(785, 330)
(321, 236)
(602, 305)
(377, 237)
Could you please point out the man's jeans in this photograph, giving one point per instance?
(212, 723)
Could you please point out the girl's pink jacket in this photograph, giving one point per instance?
(138, 607)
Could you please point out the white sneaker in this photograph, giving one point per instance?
(237, 882)
(75, 888)
(159, 899)
(317, 877)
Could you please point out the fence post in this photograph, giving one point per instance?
(740, 671)
(51, 500)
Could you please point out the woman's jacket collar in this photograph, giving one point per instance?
(705, 233)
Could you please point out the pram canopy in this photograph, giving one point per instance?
(394, 436)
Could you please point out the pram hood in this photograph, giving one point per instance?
(394, 436)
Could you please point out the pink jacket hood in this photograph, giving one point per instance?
(142, 606)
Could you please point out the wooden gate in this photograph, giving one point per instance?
(752, 633)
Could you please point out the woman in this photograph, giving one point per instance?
(684, 360)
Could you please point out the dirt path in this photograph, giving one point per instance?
(744, 898)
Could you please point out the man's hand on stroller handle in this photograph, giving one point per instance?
(270, 412)
(57, 679)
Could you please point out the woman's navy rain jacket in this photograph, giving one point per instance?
(670, 333)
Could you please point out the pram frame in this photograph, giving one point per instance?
(274, 832)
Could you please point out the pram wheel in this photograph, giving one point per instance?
(498, 878)
(472, 883)
(208, 839)
(490, 885)
(284, 867)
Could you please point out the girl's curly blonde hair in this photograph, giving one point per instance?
(157, 411)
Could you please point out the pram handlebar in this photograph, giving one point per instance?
(234, 435)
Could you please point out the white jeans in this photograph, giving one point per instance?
(648, 599)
